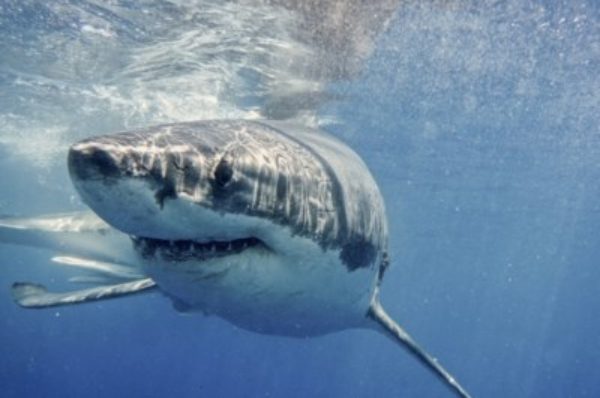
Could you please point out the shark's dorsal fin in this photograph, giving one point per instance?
(32, 295)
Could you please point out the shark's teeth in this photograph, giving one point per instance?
(181, 250)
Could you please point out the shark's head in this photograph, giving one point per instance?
(229, 194)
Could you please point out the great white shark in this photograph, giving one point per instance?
(277, 228)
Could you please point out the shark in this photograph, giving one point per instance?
(278, 228)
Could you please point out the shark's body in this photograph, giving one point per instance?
(278, 229)
(277, 232)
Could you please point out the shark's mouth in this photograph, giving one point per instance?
(184, 250)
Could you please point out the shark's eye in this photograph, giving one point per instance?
(223, 173)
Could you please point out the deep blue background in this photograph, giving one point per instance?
(481, 126)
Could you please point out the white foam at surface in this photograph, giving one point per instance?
(85, 71)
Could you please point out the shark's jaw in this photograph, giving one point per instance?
(261, 289)
(188, 250)
(227, 226)
(276, 284)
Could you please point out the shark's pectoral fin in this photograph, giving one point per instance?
(390, 328)
(31, 295)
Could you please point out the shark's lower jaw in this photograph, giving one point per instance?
(259, 286)
(185, 250)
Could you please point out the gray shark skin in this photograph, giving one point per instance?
(277, 228)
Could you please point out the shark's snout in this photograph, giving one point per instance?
(155, 183)
(87, 161)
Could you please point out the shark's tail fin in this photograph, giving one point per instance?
(390, 328)
(78, 233)
(101, 271)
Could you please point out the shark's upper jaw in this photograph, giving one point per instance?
(141, 189)
(127, 179)
(222, 181)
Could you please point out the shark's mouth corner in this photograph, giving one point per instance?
(184, 250)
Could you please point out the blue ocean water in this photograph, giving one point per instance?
(480, 122)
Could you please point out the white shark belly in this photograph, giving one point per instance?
(267, 293)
